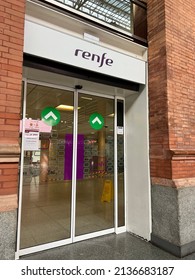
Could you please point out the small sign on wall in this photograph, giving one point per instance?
(120, 130)
(35, 125)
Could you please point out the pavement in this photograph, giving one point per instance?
(124, 246)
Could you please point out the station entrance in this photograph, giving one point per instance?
(72, 184)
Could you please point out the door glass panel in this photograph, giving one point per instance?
(95, 170)
(47, 172)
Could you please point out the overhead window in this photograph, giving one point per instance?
(128, 16)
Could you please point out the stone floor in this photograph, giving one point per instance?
(123, 246)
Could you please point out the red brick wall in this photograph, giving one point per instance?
(158, 105)
(180, 37)
(171, 29)
(11, 54)
(9, 178)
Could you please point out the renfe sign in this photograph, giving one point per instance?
(94, 57)
(55, 45)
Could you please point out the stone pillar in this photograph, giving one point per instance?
(11, 56)
(172, 116)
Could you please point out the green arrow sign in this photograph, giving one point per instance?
(96, 121)
(50, 116)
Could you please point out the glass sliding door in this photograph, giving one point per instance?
(71, 176)
(95, 169)
(47, 173)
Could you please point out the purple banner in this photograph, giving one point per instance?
(80, 156)
(68, 156)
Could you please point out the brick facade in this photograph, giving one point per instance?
(180, 30)
(171, 29)
(12, 14)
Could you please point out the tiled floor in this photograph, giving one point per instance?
(123, 246)
(46, 211)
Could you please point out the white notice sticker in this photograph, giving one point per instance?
(31, 141)
(120, 130)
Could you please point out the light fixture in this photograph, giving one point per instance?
(87, 98)
(111, 115)
(63, 107)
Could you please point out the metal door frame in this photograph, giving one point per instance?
(20, 252)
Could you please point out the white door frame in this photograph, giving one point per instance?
(20, 252)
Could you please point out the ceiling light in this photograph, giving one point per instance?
(62, 107)
(87, 98)
(111, 115)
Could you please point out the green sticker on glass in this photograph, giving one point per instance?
(96, 121)
(50, 116)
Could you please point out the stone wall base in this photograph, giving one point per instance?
(178, 251)
(173, 219)
(8, 222)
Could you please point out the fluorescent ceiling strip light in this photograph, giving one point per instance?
(62, 107)
(87, 98)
